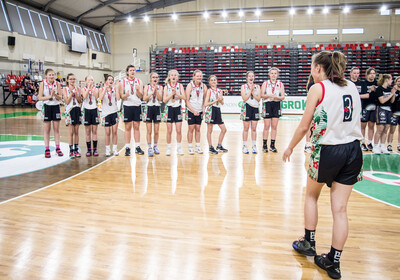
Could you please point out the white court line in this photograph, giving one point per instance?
(66, 179)
(376, 199)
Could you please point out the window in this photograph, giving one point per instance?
(328, 31)
(4, 23)
(15, 18)
(26, 21)
(282, 32)
(38, 25)
(353, 31)
(303, 32)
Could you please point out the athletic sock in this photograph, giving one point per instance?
(254, 143)
(127, 146)
(272, 143)
(197, 145)
(57, 147)
(149, 144)
(155, 144)
(47, 148)
(310, 236)
(95, 144)
(178, 145)
(244, 143)
(71, 148)
(334, 256)
(114, 148)
(265, 141)
(190, 145)
(137, 145)
(88, 145)
(76, 147)
(169, 146)
(108, 149)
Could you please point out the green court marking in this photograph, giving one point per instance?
(379, 190)
(17, 114)
(11, 137)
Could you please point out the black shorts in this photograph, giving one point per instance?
(336, 163)
(51, 113)
(132, 113)
(216, 116)
(153, 114)
(111, 119)
(252, 114)
(174, 114)
(74, 116)
(192, 119)
(368, 116)
(271, 110)
(383, 116)
(90, 116)
(394, 120)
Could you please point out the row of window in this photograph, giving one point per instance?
(36, 24)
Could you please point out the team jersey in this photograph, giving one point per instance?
(73, 102)
(385, 92)
(337, 115)
(274, 89)
(153, 101)
(130, 87)
(214, 95)
(47, 88)
(174, 102)
(196, 97)
(396, 104)
(90, 101)
(252, 101)
(359, 85)
(109, 104)
(370, 103)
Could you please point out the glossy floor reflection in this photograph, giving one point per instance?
(229, 216)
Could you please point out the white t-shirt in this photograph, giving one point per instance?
(177, 101)
(47, 88)
(73, 102)
(252, 101)
(337, 116)
(153, 101)
(197, 97)
(274, 89)
(214, 95)
(90, 101)
(109, 103)
(130, 87)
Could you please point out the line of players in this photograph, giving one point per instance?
(201, 102)
(381, 107)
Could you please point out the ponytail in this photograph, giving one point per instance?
(383, 78)
(334, 65)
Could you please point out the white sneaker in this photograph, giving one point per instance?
(384, 150)
(115, 153)
(108, 154)
(199, 150)
(168, 152)
(191, 151)
(376, 150)
(245, 150)
(254, 149)
(179, 151)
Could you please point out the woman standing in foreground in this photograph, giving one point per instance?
(336, 160)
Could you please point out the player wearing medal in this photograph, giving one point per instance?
(214, 100)
(153, 94)
(90, 94)
(72, 98)
(195, 94)
(109, 97)
(173, 96)
(50, 94)
(131, 91)
(250, 93)
(272, 92)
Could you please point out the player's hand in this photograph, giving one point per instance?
(287, 154)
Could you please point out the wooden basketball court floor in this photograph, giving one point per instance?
(229, 216)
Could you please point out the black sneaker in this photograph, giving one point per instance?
(139, 151)
(398, 148)
(370, 147)
(221, 149)
(265, 148)
(304, 247)
(273, 149)
(213, 151)
(364, 147)
(323, 262)
(390, 149)
(127, 152)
